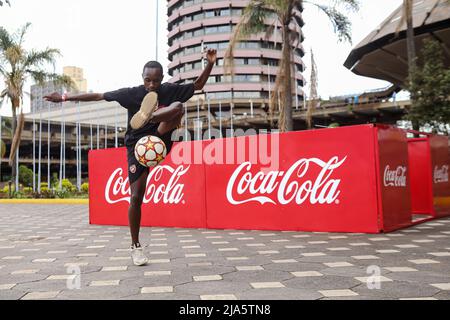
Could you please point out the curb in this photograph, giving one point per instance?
(44, 201)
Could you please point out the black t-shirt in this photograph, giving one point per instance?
(131, 99)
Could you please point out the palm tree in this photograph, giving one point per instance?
(288, 15)
(17, 65)
(407, 16)
(1, 2)
(313, 94)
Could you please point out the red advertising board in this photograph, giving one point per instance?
(393, 182)
(174, 195)
(420, 176)
(440, 163)
(349, 179)
(430, 186)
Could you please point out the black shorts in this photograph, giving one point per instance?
(135, 169)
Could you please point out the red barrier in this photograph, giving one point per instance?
(174, 195)
(420, 176)
(350, 179)
(430, 186)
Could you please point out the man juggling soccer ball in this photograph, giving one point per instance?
(154, 109)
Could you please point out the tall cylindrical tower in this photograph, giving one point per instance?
(196, 24)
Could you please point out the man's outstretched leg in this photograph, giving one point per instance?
(134, 218)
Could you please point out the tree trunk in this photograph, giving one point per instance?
(411, 50)
(13, 131)
(287, 83)
(411, 47)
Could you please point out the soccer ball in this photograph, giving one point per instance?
(150, 151)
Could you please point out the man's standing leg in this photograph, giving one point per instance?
(134, 217)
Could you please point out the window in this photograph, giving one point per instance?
(209, 14)
(237, 12)
(197, 65)
(252, 45)
(225, 12)
(224, 29)
(212, 45)
(223, 45)
(198, 16)
(198, 32)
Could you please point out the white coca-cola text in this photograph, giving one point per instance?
(396, 177)
(288, 186)
(440, 174)
(118, 189)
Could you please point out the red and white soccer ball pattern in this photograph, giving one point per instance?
(150, 151)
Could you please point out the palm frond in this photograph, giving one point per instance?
(6, 40)
(38, 58)
(21, 33)
(252, 22)
(40, 77)
(348, 5)
(341, 23)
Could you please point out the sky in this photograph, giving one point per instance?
(112, 40)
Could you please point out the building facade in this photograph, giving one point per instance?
(198, 24)
(77, 76)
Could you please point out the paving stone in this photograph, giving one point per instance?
(218, 297)
(265, 285)
(416, 262)
(40, 295)
(338, 293)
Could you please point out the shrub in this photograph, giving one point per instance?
(67, 185)
(85, 187)
(62, 194)
(6, 188)
(28, 190)
(25, 175)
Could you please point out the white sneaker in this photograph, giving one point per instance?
(144, 115)
(138, 256)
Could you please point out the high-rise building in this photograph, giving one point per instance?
(77, 76)
(198, 24)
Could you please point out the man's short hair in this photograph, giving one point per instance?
(153, 65)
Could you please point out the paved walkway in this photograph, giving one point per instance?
(48, 251)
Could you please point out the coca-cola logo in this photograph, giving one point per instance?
(286, 186)
(440, 174)
(395, 177)
(118, 187)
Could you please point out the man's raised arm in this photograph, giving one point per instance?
(211, 56)
(56, 97)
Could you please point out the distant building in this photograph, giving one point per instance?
(77, 76)
(98, 112)
(38, 104)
